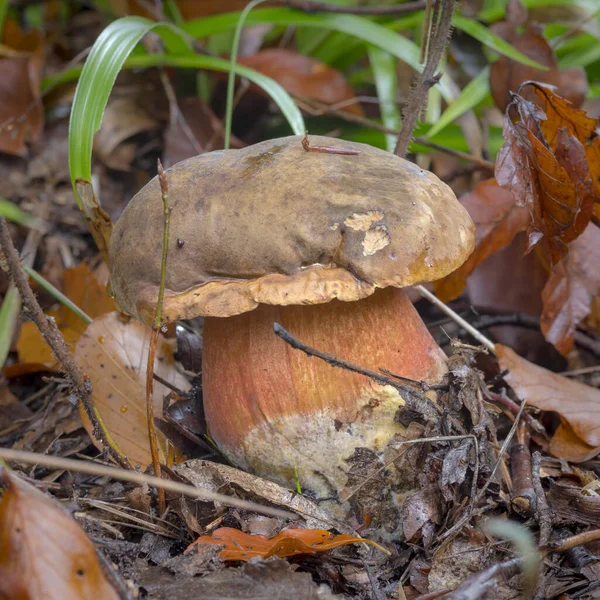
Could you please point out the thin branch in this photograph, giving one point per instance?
(441, 23)
(587, 537)
(456, 317)
(425, 406)
(316, 108)
(50, 332)
(544, 516)
(91, 468)
(396, 9)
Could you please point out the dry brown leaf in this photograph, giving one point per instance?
(592, 152)
(113, 353)
(21, 109)
(303, 76)
(543, 163)
(43, 552)
(570, 290)
(290, 542)
(506, 75)
(80, 285)
(497, 220)
(577, 405)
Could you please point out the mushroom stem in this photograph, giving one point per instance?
(277, 412)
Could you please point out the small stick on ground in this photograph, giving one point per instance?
(523, 498)
(441, 23)
(164, 189)
(50, 332)
(544, 516)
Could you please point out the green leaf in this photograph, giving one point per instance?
(9, 313)
(582, 58)
(198, 61)
(474, 92)
(361, 28)
(13, 213)
(495, 13)
(492, 41)
(100, 71)
(384, 71)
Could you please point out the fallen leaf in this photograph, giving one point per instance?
(80, 285)
(304, 77)
(506, 75)
(21, 108)
(592, 152)
(570, 290)
(113, 353)
(123, 118)
(420, 509)
(290, 542)
(98, 220)
(543, 163)
(497, 220)
(577, 405)
(43, 552)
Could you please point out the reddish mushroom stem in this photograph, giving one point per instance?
(277, 411)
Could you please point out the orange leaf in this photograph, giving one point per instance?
(577, 405)
(21, 109)
(571, 287)
(43, 552)
(303, 76)
(82, 287)
(553, 180)
(497, 220)
(113, 354)
(592, 152)
(243, 546)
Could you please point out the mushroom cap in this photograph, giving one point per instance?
(275, 224)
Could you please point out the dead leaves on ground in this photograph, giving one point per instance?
(304, 77)
(81, 285)
(578, 405)
(21, 109)
(113, 353)
(43, 552)
(238, 545)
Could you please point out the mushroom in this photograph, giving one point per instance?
(321, 243)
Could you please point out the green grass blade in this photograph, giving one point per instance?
(56, 293)
(98, 76)
(474, 92)
(583, 58)
(9, 210)
(384, 72)
(492, 41)
(9, 313)
(233, 61)
(197, 61)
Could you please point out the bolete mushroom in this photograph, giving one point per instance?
(276, 233)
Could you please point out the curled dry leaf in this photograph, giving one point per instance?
(81, 285)
(497, 220)
(506, 75)
(21, 109)
(577, 405)
(592, 152)
(113, 353)
(573, 284)
(543, 163)
(43, 552)
(290, 542)
(303, 76)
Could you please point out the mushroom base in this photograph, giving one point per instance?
(288, 417)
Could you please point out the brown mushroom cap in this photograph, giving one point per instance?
(275, 224)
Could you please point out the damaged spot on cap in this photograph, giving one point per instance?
(363, 221)
(375, 240)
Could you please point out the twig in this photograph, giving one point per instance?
(587, 537)
(50, 332)
(441, 23)
(523, 498)
(544, 516)
(91, 468)
(425, 406)
(310, 7)
(164, 189)
(456, 317)
(319, 108)
(513, 407)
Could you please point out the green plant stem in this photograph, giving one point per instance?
(56, 293)
(232, 67)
